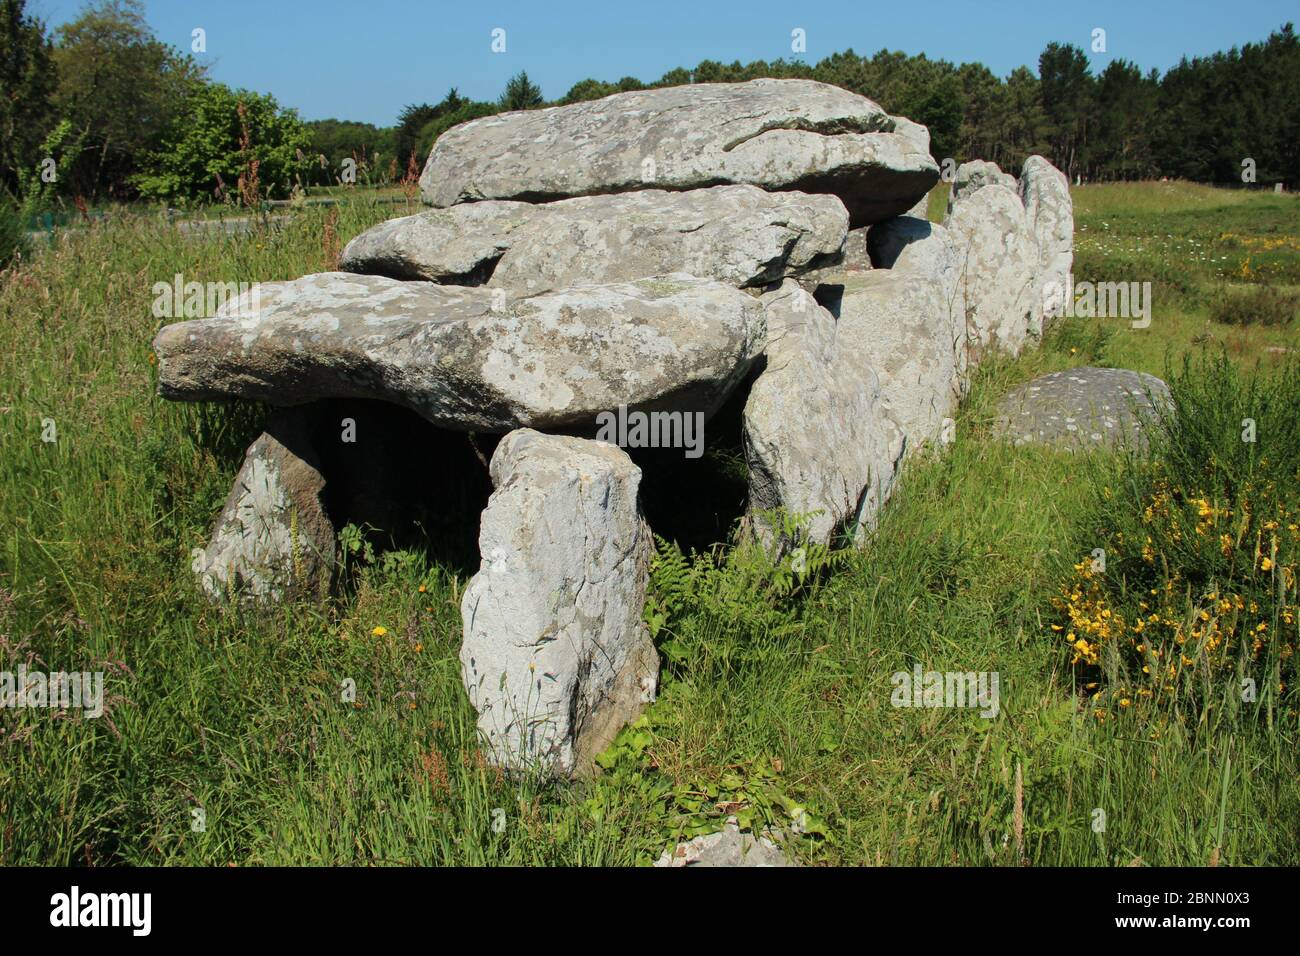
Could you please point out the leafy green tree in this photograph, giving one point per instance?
(333, 141)
(121, 88)
(520, 93)
(467, 111)
(204, 153)
(27, 83)
(588, 89)
(1067, 95)
(410, 122)
(1126, 103)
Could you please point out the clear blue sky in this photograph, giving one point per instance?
(365, 59)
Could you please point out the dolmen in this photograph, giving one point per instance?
(669, 250)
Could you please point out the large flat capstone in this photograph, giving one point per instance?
(740, 235)
(778, 134)
(472, 359)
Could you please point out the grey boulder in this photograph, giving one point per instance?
(817, 441)
(471, 359)
(911, 246)
(777, 134)
(898, 325)
(998, 259)
(977, 174)
(729, 846)
(1083, 407)
(556, 657)
(740, 235)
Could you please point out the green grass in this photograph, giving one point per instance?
(784, 702)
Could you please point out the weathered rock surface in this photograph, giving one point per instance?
(975, 175)
(777, 134)
(1049, 213)
(912, 246)
(1081, 407)
(556, 658)
(999, 263)
(739, 235)
(553, 360)
(273, 540)
(730, 846)
(897, 324)
(817, 442)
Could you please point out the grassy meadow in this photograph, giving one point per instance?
(1120, 739)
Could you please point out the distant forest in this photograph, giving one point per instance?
(117, 114)
(1198, 121)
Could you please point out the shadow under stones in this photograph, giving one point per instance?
(407, 484)
(697, 502)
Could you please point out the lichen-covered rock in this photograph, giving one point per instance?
(729, 846)
(273, 540)
(998, 258)
(975, 175)
(817, 442)
(1082, 407)
(739, 235)
(897, 324)
(777, 134)
(912, 246)
(1049, 212)
(556, 657)
(471, 359)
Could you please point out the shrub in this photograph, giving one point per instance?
(1197, 598)
(1257, 305)
(13, 235)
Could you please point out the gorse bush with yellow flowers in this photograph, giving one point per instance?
(1192, 596)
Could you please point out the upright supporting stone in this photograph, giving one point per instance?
(1049, 213)
(273, 540)
(556, 657)
(999, 261)
(817, 440)
(898, 324)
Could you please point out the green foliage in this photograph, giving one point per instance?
(745, 585)
(333, 141)
(27, 83)
(123, 91)
(520, 93)
(752, 794)
(13, 235)
(202, 154)
(38, 190)
(1199, 590)
(1255, 305)
(431, 130)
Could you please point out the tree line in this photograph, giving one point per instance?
(100, 108)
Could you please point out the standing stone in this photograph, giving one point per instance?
(817, 441)
(777, 134)
(556, 658)
(739, 235)
(897, 324)
(273, 540)
(1049, 213)
(918, 247)
(975, 175)
(999, 261)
